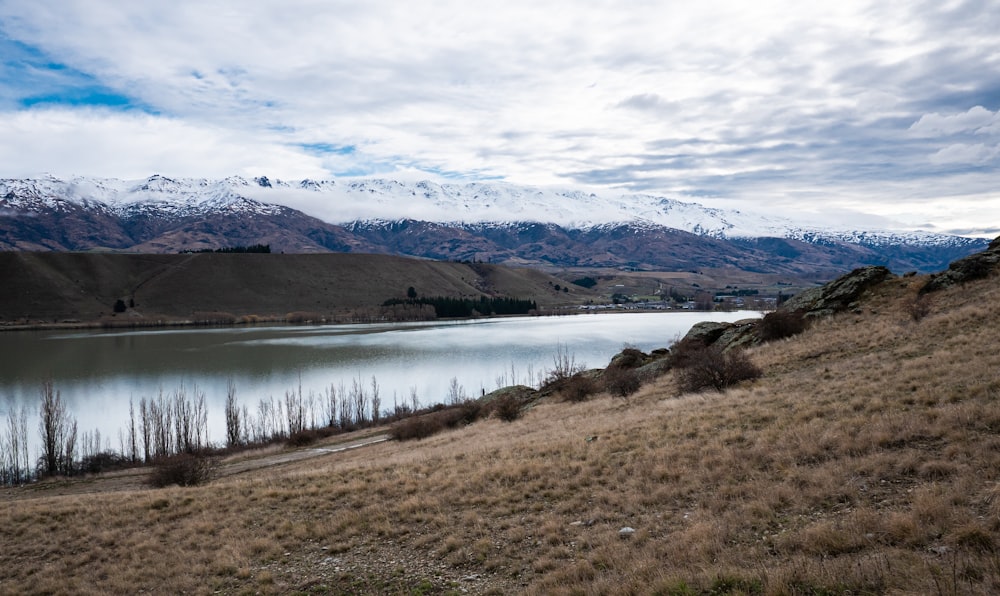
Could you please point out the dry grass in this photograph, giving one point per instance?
(865, 461)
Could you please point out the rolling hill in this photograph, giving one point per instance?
(54, 286)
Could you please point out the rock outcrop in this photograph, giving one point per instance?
(835, 296)
(839, 294)
(970, 268)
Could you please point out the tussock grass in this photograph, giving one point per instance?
(866, 460)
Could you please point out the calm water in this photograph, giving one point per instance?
(97, 372)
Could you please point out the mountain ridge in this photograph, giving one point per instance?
(495, 222)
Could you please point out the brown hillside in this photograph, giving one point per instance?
(866, 460)
(53, 287)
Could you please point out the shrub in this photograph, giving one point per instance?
(919, 308)
(104, 461)
(303, 317)
(711, 368)
(417, 427)
(469, 411)
(308, 436)
(507, 408)
(780, 324)
(564, 367)
(621, 382)
(578, 388)
(184, 469)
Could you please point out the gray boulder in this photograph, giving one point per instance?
(970, 268)
(839, 294)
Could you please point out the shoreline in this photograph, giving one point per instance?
(254, 320)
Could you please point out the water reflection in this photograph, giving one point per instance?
(98, 372)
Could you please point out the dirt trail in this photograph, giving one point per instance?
(241, 463)
(232, 468)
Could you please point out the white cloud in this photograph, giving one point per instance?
(135, 145)
(977, 154)
(748, 101)
(977, 120)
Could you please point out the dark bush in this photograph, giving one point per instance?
(104, 461)
(507, 408)
(417, 427)
(780, 324)
(684, 351)
(578, 388)
(309, 436)
(621, 382)
(919, 308)
(184, 469)
(469, 410)
(711, 368)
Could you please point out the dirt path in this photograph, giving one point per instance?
(232, 468)
(241, 463)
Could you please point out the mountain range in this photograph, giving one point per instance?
(491, 222)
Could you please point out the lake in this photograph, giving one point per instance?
(98, 372)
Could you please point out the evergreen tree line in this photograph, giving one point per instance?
(255, 248)
(446, 307)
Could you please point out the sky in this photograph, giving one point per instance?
(879, 112)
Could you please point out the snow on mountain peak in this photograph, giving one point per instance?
(452, 203)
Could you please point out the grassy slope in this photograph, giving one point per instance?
(867, 460)
(56, 286)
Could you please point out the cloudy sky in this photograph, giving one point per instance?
(884, 111)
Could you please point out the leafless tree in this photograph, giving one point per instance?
(146, 424)
(200, 419)
(234, 430)
(456, 393)
(15, 465)
(330, 406)
(69, 448)
(133, 447)
(376, 401)
(414, 400)
(183, 421)
(346, 407)
(360, 399)
(161, 415)
(53, 426)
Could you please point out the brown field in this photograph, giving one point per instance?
(56, 287)
(866, 460)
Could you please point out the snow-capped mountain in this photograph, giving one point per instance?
(485, 221)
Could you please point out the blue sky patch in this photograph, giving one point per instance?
(29, 78)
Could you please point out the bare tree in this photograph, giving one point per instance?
(52, 426)
(346, 408)
(234, 431)
(294, 411)
(183, 421)
(146, 424)
(133, 447)
(200, 420)
(414, 400)
(15, 466)
(330, 406)
(161, 416)
(360, 399)
(244, 425)
(456, 393)
(376, 402)
(69, 447)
